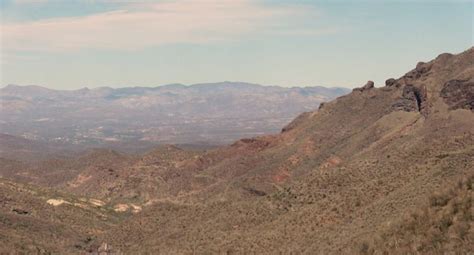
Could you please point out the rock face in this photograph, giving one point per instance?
(422, 69)
(412, 99)
(321, 105)
(390, 82)
(367, 86)
(459, 94)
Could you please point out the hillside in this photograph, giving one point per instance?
(332, 178)
(332, 182)
(42, 221)
(443, 224)
(21, 149)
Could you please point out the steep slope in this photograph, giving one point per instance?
(329, 180)
(442, 225)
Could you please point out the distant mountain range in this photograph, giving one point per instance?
(200, 114)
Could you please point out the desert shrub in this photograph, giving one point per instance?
(443, 226)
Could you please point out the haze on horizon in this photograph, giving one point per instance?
(272, 42)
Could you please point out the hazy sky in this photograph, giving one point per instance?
(72, 44)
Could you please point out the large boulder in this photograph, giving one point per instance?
(369, 85)
(422, 69)
(390, 82)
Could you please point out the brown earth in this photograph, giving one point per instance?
(330, 183)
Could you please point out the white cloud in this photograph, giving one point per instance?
(149, 24)
(29, 1)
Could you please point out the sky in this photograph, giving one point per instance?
(92, 43)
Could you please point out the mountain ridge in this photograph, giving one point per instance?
(138, 117)
(170, 85)
(328, 182)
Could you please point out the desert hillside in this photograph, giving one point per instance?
(337, 180)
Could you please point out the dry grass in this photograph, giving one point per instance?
(444, 226)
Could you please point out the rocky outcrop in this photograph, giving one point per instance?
(422, 69)
(321, 105)
(412, 100)
(369, 85)
(20, 211)
(390, 82)
(255, 192)
(459, 94)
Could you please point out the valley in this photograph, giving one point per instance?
(135, 119)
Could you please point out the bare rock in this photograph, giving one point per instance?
(421, 70)
(255, 192)
(390, 82)
(412, 100)
(20, 211)
(321, 105)
(459, 94)
(369, 85)
(444, 56)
